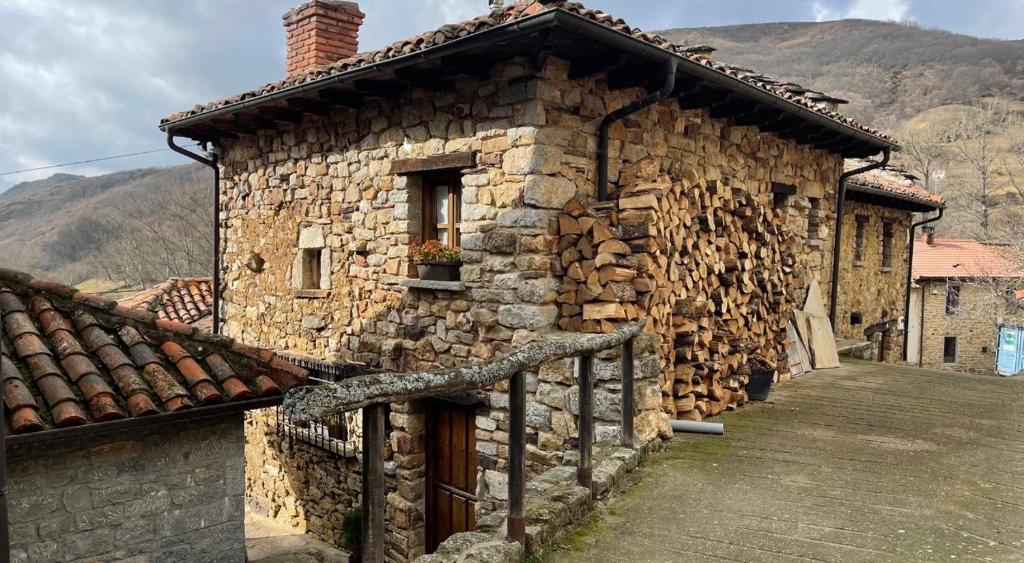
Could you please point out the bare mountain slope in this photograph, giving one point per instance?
(137, 225)
(889, 71)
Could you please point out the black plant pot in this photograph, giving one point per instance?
(760, 384)
(438, 271)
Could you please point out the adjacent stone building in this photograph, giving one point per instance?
(880, 208)
(963, 291)
(487, 135)
(124, 431)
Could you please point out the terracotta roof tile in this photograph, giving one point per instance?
(184, 300)
(517, 11)
(70, 359)
(893, 180)
(963, 258)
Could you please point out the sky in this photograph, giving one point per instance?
(82, 79)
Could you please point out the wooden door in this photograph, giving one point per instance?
(451, 471)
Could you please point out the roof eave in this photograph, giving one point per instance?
(903, 201)
(553, 18)
(175, 420)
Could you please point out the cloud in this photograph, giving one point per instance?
(894, 10)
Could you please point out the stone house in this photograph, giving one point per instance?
(880, 207)
(186, 300)
(958, 303)
(124, 432)
(508, 136)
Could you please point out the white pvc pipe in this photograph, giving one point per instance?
(698, 427)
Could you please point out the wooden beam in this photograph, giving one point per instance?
(585, 470)
(314, 402)
(282, 115)
(374, 485)
(254, 120)
(599, 63)
(233, 125)
(732, 108)
(635, 76)
(517, 458)
(315, 107)
(433, 78)
(759, 117)
(387, 90)
(784, 124)
(454, 161)
(701, 98)
(345, 98)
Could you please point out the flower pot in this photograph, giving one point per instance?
(760, 384)
(438, 271)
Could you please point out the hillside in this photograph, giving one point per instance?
(951, 97)
(136, 225)
(889, 71)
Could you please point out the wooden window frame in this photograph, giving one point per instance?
(431, 228)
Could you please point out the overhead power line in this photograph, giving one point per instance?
(91, 160)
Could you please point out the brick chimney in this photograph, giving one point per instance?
(321, 32)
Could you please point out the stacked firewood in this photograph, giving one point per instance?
(709, 265)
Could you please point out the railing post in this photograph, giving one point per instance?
(584, 473)
(627, 393)
(517, 458)
(374, 487)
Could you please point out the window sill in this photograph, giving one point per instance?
(858, 263)
(416, 283)
(885, 270)
(814, 243)
(310, 293)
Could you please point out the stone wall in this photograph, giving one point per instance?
(171, 493)
(877, 293)
(976, 325)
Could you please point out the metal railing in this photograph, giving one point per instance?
(330, 434)
(374, 393)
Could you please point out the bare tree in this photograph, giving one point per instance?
(924, 154)
(973, 137)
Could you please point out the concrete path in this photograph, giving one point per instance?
(861, 463)
(269, 541)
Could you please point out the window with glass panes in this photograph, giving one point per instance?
(442, 201)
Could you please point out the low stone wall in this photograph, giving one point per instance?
(173, 493)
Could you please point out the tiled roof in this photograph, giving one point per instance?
(71, 358)
(186, 300)
(809, 99)
(892, 180)
(963, 258)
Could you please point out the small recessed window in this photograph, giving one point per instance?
(858, 239)
(856, 318)
(442, 208)
(888, 229)
(311, 268)
(952, 299)
(949, 350)
(814, 219)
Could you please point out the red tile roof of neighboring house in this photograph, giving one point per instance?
(519, 10)
(70, 359)
(892, 180)
(963, 258)
(186, 300)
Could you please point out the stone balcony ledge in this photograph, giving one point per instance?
(433, 285)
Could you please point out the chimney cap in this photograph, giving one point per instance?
(330, 4)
